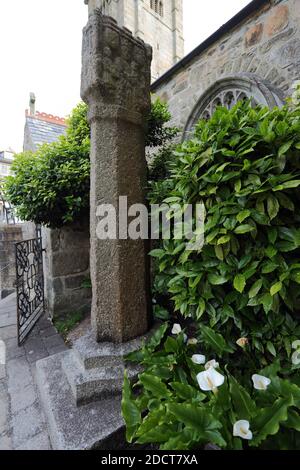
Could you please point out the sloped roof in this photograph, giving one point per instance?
(43, 128)
(248, 10)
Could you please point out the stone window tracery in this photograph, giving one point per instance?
(227, 99)
(227, 92)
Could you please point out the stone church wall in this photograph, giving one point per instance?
(266, 44)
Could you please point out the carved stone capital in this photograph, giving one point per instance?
(115, 70)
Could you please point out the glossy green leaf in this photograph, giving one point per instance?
(214, 340)
(187, 392)
(216, 279)
(271, 348)
(243, 215)
(239, 283)
(243, 404)
(268, 420)
(246, 228)
(154, 385)
(157, 337)
(287, 185)
(130, 411)
(255, 288)
(276, 288)
(273, 206)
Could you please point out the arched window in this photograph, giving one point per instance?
(227, 92)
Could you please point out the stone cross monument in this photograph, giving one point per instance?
(116, 86)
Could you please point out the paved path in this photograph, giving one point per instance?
(22, 423)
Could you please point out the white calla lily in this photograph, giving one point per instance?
(213, 363)
(296, 344)
(198, 359)
(242, 429)
(192, 341)
(210, 380)
(296, 357)
(176, 329)
(260, 382)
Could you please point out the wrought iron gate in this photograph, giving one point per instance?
(30, 285)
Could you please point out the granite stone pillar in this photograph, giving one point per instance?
(116, 86)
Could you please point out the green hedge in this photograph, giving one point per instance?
(244, 165)
(227, 371)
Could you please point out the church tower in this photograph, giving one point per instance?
(158, 22)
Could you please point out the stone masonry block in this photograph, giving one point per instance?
(254, 35)
(277, 20)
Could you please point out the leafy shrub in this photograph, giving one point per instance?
(237, 297)
(158, 133)
(244, 165)
(51, 186)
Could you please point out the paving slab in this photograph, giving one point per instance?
(26, 424)
(8, 332)
(23, 398)
(22, 422)
(19, 374)
(35, 349)
(5, 442)
(38, 442)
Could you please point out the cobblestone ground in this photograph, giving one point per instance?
(22, 423)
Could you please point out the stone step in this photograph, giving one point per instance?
(95, 384)
(93, 354)
(94, 425)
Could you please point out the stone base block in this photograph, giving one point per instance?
(95, 371)
(98, 383)
(95, 425)
(80, 392)
(92, 354)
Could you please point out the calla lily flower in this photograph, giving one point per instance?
(242, 342)
(242, 429)
(296, 344)
(296, 357)
(192, 341)
(198, 359)
(211, 364)
(210, 380)
(176, 329)
(260, 382)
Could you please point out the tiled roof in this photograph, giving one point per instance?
(44, 128)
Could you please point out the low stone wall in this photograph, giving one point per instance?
(66, 267)
(9, 235)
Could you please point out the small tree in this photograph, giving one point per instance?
(51, 186)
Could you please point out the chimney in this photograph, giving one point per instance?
(32, 104)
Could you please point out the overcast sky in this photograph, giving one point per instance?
(40, 51)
